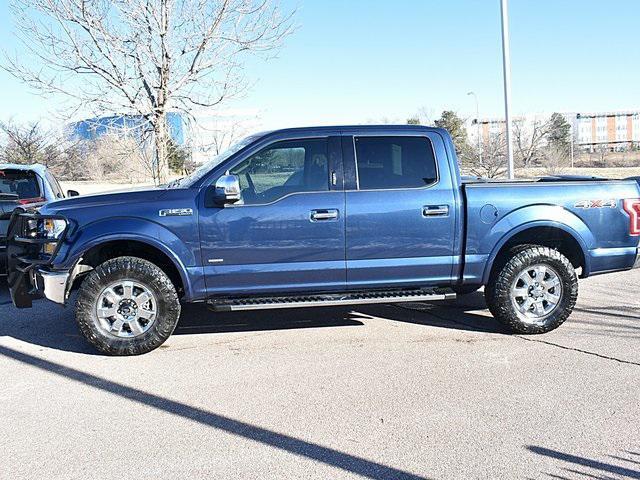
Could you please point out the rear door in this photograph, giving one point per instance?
(401, 211)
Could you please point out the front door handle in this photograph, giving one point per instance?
(435, 211)
(324, 215)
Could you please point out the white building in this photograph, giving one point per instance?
(614, 130)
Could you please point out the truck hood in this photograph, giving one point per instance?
(114, 198)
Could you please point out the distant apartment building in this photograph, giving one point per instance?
(612, 130)
(618, 130)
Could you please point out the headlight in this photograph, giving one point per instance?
(53, 228)
(48, 230)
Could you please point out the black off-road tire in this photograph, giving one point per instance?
(497, 291)
(137, 270)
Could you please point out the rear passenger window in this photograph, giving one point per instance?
(394, 162)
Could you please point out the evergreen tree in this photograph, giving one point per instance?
(177, 157)
(559, 135)
(450, 121)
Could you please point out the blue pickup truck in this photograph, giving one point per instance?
(322, 216)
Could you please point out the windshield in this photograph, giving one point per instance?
(206, 167)
(23, 183)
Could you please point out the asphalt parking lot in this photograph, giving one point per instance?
(379, 392)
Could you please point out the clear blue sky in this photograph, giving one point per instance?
(359, 60)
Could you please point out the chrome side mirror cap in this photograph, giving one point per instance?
(227, 190)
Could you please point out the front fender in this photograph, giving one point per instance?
(531, 217)
(134, 229)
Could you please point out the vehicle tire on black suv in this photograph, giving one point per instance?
(127, 306)
(533, 290)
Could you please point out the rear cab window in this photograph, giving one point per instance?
(23, 183)
(394, 162)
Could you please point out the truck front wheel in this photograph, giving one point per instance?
(534, 291)
(127, 306)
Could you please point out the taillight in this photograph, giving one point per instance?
(27, 201)
(632, 207)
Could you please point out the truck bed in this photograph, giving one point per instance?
(589, 210)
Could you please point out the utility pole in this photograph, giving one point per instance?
(477, 127)
(506, 70)
(571, 146)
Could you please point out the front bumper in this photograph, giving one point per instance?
(53, 285)
(30, 275)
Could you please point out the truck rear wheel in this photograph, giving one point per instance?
(534, 291)
(127, 306)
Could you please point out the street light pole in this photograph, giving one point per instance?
(572, 146)
(477, 127)
(506, 70)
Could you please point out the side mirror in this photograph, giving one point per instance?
(73, 193)
(225, 192)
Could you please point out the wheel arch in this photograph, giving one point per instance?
(106, 248)
(544, 233)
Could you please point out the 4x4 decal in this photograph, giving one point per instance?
(588, 204)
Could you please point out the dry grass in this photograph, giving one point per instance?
(612, 172)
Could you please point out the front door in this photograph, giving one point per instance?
(401, 212)
(288, 232)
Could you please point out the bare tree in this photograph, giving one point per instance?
(22, 144)
(602, 151)
(530, 139)
(143, 57)
(226, 134)
(493, 161)
(212, 135)
(555, 159)
(30, 143)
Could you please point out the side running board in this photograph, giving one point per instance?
(330, 299)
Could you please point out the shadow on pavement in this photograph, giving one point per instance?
(612, 311)
(280, 441)
(453, 315)
(626, 465)
(197, 318)
(51, 326)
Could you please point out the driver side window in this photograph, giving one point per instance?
(282, 169)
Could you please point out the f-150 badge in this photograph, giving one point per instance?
(588, 204)
(176, 212)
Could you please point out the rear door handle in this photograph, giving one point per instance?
(324, 215)
(435, 211)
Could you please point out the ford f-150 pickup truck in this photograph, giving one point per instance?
(317, 217)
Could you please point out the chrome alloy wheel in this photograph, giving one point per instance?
(126, 309)
(536, 293)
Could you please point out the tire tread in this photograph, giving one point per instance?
(498, 288)
(139, 269)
